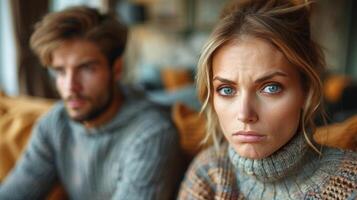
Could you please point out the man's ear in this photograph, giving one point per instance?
(117, 68)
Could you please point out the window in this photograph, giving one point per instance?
(8, 69)
(61, 4)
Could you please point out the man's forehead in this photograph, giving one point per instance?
(75, 52)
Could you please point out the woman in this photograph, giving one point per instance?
(258, 78)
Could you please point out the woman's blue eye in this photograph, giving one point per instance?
(226, 91)
(272, 89)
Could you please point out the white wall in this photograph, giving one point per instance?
(8, 69)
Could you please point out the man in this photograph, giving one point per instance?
(100, 142)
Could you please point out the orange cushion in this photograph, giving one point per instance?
(191, 127)
(17, 117)
(340, 135)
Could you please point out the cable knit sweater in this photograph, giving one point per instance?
(293, 172)
(134, 156)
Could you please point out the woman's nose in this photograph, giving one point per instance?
(247, 109)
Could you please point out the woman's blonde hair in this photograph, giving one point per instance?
(283, 23)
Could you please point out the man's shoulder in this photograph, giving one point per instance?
(156, 112)
(138, 97)
(144, 111)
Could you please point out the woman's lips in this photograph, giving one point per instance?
(248, 137)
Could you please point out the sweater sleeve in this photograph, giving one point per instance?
(152, 167)
(34, 173)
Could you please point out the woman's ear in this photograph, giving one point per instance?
(117, 68)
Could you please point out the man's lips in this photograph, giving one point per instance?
(248, 137)
(75, 103)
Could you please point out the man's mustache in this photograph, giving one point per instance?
(76, 97)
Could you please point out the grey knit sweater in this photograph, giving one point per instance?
(134, 156)
(294, 172)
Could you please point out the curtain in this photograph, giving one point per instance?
(33, 78)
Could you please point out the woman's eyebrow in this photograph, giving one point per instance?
(223, 80)
(269, 76)
(261, 79)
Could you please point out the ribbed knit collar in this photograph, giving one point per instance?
(276, 166)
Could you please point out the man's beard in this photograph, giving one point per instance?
(95, 112)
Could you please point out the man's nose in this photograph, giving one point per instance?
(72, 83)
(247, 108)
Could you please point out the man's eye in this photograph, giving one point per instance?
(272, 88)
(89, 67)
(57, 72)
(226, 91)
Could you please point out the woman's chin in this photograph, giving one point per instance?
(251, 152)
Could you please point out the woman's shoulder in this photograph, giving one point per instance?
(211, 159)
(346, 167)
(210, 175)
(339, 163)
(341, 158)
(340, 169)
